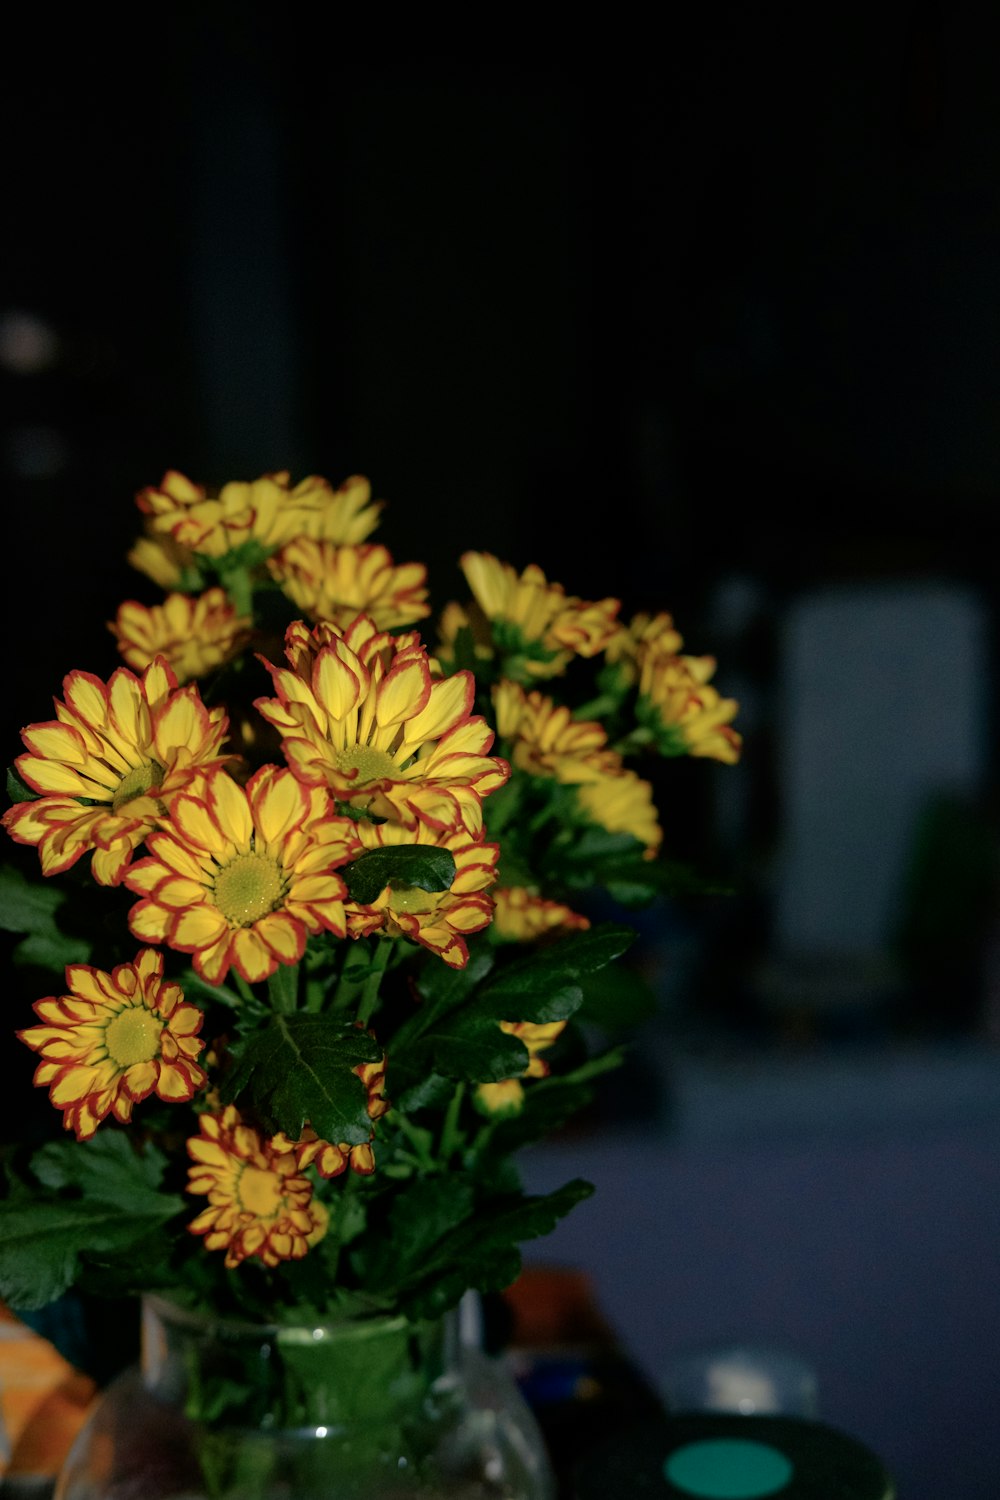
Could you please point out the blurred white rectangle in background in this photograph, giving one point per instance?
(883, 705)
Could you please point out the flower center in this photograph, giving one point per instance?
(137, 783)
(259, 1193)
(133, 1036)
(370, 763)
(248, 888)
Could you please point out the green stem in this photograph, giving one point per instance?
(418, 1140)
(450, 1134)
(604, 703)
(638, 739)
(606, 1063)
(370, 988)
(244, 988)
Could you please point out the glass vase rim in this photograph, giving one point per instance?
(208, 1321)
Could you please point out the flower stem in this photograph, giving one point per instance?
(450, 1133)
(370, 988)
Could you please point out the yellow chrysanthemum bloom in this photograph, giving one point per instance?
(501, 1100)
(622, 802)
(438, 920)
(545, 738)
(259, 1203)
(454, 618)
(195, 635)
(331, 1159)
(537, 1036)
(334, 583)
(108, 765)
(267, 509)
(535, 625)
(359, 712)
(241, 874)
(629, 647)
(522, 916)
(683, 712)
(115, 1039)
(162, 559)
(506, 1097)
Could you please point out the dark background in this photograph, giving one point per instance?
(701, 313)
(690, 312)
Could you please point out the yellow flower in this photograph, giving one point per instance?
(630, 646)
(547, 740)
(334, 583)
(240, 875)
(536, 626)
(622, 802)
(521, 916)
(537, 1036)
(359, 712)
(259, 1204)
(683, 712)
(267, 509)
(505, 1098)
(439, 920)
(195, 635)
(162, 559)
(330, 1159)
(115, 1039)
(108, 765)
(454, 618)
(500, 1101)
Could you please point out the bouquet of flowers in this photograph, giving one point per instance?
(325, 904)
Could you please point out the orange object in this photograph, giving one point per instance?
(43, 1401)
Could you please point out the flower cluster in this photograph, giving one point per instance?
(353, 857)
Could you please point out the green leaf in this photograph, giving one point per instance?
(482, 1251)
(532, 1003)
(299, 1068)
(466, 1049)
(431, 1091)
(617, 998)
(421, 1215)
(555, 965)
(45, 1242)
(195, 988)
(42, 950)
(30, 906)
(17, 790)
(106, 1167)
(400, 865)
(27, 905)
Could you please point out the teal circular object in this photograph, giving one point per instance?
(725, 1468)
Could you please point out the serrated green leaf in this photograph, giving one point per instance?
(467, 1050)
(45, 1241)
(18, 790)
(538, 1003)
(481, 1250)
(422, 1213)
(30, 907)
(50, 951)
(431, 1091)
(106, 1167)
(27, 905)
(555, 965)
(299, 1068)
(418, 866)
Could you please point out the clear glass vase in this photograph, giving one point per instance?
(373, 1407)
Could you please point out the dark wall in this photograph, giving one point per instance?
(659, 310)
